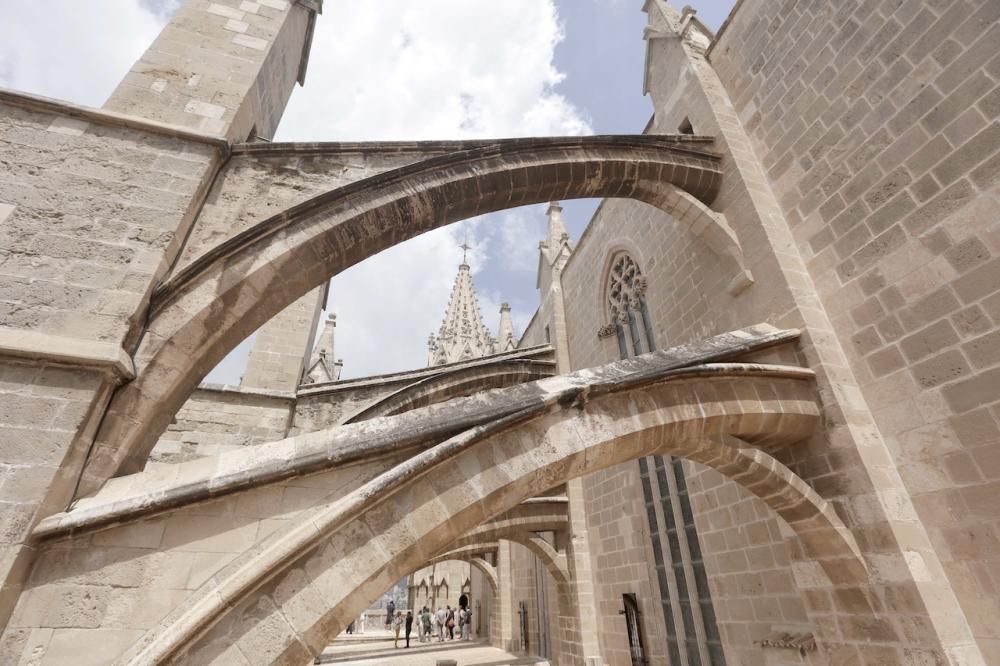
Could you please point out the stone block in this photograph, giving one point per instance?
(255, 43)
(970, 393)
(224, 10)
(69, 126)
(886, 361)
(980, 282)
(940, 369)
(969, 155)
(937, 336)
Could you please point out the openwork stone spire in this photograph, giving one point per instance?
(462, 335)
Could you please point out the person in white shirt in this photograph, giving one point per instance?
(440, 618)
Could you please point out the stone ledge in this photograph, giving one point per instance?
(64, 350)
(691, 142)
(109, 118)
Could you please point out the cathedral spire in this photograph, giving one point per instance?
(462, 335)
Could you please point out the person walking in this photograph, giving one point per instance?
(441, 616)
(409, 626)
(425, 624)
(397, 624)
(450, 624)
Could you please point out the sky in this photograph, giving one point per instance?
(397, 69)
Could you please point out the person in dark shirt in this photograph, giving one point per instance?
(409, 626)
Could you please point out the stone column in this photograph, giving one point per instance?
(503, 611)
(284, 344)
(578, 634)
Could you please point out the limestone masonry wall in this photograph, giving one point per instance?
(686, 280)
(879, 126)
(126, 579)
(214, 420)
(87, 214)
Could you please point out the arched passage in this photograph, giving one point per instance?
(550, 516)
(306, 582)
(204, 311)
(553, 562)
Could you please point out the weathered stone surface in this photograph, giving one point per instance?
(849, 191)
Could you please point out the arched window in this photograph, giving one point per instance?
(691, 631)
(626, 301)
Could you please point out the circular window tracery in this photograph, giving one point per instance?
(626, 290)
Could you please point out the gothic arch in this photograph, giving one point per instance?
(618, 246)
(472, 554)
(304, 584)
(206, 309)
(513, 524)
(623, 296)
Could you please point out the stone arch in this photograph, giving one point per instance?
(207, 308)
(550, 516)
(455, 383)
(472, 553)
(554, 561)
(306, 581)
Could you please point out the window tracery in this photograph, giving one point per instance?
(626, 301)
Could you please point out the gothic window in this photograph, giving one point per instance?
(691, 632)
(636, 645)
(626, 294)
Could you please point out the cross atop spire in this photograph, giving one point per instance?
(465, 248)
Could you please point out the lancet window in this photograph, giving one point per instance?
(691, 632)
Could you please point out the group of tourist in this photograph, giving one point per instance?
(445, 618)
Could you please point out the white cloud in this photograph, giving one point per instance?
(395, 69)
(70, 50)
(430, 70)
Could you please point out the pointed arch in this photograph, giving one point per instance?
(215, 302)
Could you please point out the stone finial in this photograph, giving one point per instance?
(506, 340)
(321, 366)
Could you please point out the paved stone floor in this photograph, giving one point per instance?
(471, 653)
